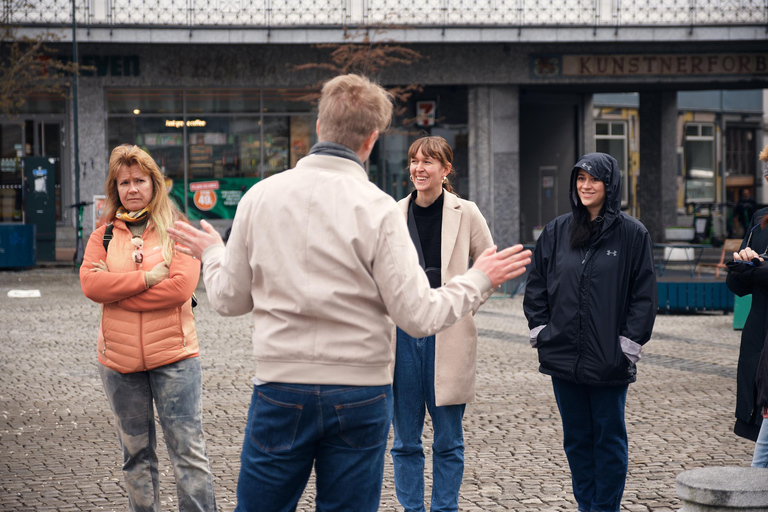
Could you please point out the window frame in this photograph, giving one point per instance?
(623, 165)
(687, 176)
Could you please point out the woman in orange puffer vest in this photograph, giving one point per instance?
(147, 344)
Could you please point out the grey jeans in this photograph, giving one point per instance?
(176, 391)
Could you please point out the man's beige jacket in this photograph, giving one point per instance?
(322, 258)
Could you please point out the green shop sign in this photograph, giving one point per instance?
(210, 199)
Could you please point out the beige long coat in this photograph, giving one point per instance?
(464, 235)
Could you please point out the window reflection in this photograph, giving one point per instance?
(219, 156)
(225, 147)
(10, 172)
(225, 101)
(163, 143)
(288, 100)
(286, 140)
(699, 154)
(146, 101)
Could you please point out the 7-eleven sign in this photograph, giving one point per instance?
(425, 113)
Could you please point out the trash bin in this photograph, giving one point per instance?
(17, 246)
(741, 306)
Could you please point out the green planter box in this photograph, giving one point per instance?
(694, 296)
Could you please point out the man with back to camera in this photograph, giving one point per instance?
(322, 257)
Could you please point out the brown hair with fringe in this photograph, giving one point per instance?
(437, 148)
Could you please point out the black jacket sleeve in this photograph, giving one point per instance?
(741, 283)
(644, 298)
(536, 300)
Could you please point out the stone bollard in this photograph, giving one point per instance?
(721, 489)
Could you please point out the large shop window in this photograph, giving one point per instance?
(11, 149)
(31, 136)
(611, 138)
(699, 156)
(221, 141)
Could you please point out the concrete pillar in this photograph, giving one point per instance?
(723, 489)
(494, 159)
(657, 183)
(588, 125)
(94, 154)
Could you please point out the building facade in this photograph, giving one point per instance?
(220, 95)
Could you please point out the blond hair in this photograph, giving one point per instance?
(162, 211)
(436, 147)
(351, 108)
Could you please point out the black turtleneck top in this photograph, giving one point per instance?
(429, 223)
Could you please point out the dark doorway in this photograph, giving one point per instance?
(549, 131)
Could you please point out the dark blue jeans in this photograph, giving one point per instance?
(341, 429)
(414, 390)
(595, 442)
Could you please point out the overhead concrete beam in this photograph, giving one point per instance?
(195, 34)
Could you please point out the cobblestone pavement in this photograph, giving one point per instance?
(59, 450)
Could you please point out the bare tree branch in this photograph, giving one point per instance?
(364, 52)
(28, 65)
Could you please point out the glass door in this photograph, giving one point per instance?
(43, 137)
(49, 136)
(11, 151)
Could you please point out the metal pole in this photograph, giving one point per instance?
(79, 251)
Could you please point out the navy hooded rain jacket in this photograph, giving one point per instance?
(591, 309)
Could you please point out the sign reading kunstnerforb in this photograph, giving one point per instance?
(701, 64)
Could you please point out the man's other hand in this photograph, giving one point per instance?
(503, 265)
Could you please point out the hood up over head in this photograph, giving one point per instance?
(605, 168)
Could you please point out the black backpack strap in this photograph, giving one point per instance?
(107, 236)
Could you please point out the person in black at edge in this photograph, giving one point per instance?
(591, 302)
(743, 280)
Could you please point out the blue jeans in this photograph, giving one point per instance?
(760, 459)
(595, 442)
(176, 390)
(414, 390)
(341, 429)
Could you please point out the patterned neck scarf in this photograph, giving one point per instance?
(132, 217)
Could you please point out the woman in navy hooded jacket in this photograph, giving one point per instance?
(591, 302)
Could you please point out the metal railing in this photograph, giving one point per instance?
(566, 12)
(184, 13)
(297, 13)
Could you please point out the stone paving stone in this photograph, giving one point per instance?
(59, 448)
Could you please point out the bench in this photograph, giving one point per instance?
(730, 246)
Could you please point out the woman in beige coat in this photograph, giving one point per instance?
(436, 373)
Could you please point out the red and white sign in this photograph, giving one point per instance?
(205, 199)
(99, 205)
(203, 185)
(425, 113)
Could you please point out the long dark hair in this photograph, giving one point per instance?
(581, 227)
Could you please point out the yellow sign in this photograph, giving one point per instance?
(175, 123)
